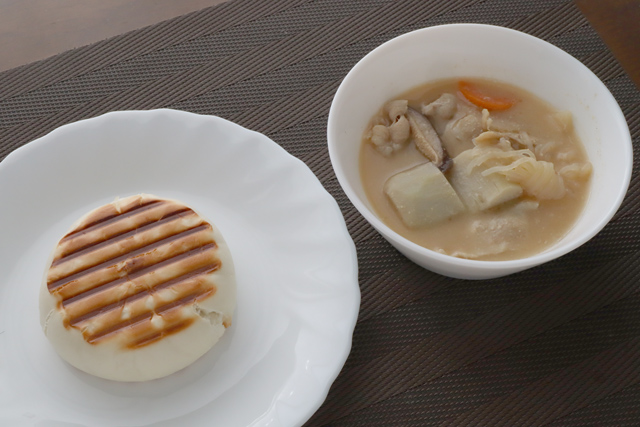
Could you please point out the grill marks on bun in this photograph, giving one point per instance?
(135, 269)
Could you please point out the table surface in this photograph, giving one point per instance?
(32, 30)
(555, 345)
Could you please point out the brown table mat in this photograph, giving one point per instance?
(555, 345)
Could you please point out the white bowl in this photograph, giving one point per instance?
(473, 50)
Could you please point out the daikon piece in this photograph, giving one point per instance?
(423, 196)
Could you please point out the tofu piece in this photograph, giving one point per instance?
(423, 196)
(480, 192)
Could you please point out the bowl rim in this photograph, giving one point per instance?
(451, 261)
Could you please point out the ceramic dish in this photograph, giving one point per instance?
(490, 52)
(296, 266)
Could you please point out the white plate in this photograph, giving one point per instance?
(298, 295)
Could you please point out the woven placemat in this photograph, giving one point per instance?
(555, 345)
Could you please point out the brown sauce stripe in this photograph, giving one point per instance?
(119, 237)
(150, 339)
(142, 272)
(99, 222)
(115, 328)
(65, 256)
(176, 280)
(63, 281)
(141, 318)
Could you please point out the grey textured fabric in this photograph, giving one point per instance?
(556, 345)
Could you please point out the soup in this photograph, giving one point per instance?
(475, 169)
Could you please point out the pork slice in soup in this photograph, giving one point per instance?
(475, 169)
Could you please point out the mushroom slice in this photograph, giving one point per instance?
(425, 137)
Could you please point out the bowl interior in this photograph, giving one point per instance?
(472, 50)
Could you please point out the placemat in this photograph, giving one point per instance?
(555, 345)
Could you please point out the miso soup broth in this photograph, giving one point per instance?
(475, 169)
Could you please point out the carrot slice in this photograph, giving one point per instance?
(482, 100)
